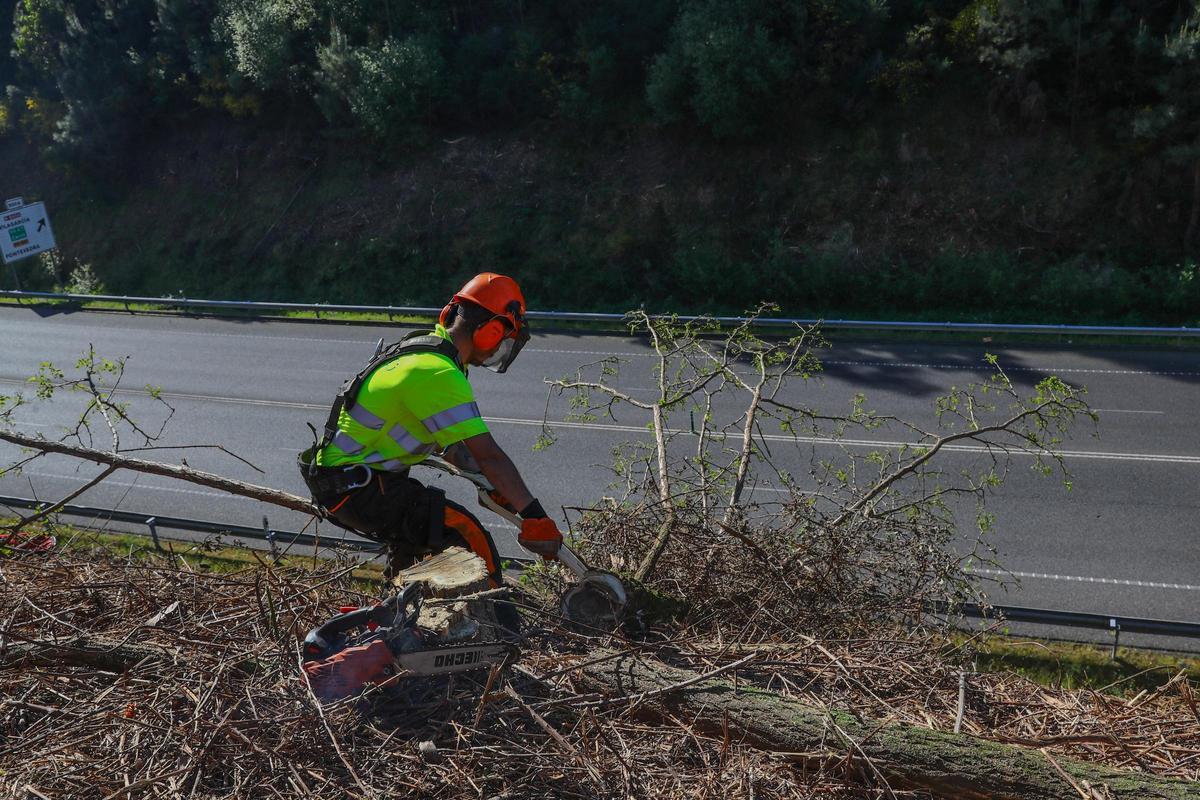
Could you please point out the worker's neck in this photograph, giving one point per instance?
(462, 339)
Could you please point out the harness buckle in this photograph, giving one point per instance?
(354, 485)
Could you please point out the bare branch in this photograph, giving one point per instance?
(262, 493)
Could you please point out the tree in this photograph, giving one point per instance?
(1171, 126)
(730, 64)
(856, 539)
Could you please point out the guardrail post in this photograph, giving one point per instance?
(152, 524)
(270, 537)
(1116, 628)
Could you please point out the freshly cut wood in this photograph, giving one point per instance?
(450, 573)
(454, 572)
(946, 765)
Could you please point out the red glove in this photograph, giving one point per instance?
(540, 535)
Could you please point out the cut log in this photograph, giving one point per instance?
(107, 655)
(82, 651)
(454, 572)
(906, 756)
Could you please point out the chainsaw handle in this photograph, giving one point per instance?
(484, 486)
(384, 614)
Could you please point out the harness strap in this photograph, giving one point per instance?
(416, 342)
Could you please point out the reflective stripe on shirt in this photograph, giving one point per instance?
(451, 416)
(347, 444)
(409, 443)
(364, 417)
(385, 463)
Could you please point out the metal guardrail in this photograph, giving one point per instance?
(1071, 619)
(581, 316)
(1075, 619)
(153, 522)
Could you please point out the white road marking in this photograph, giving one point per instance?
(590, 353)
(1088, 579)
(815, 440)
(158, 331)
(984, 367)
(178, 490)
(975, 367)
(128, 484)
(1125, 411)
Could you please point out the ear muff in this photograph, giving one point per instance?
(444, 317)
(489, 335)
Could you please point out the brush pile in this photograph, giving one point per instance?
(123, 678)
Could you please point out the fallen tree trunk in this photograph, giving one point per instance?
(97, 652)
(209, 479)
(947, 765)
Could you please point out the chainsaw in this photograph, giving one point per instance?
(378, 643)
(597, 599)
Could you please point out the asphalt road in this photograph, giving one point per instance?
(1122, 540)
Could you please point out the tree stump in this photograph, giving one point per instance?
(454, 572)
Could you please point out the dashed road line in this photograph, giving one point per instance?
(1190, 587)
(1142, 584)
(984, 367)
(867, 443)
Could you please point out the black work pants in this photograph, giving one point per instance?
(413, 519)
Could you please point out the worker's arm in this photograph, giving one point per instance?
(499, 469)
(538, 533)
(458, 455)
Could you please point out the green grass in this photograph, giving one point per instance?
(628, 223)
(1068, 665)
(213, 555)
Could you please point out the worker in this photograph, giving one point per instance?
(413, 400)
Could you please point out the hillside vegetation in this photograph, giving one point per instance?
(1031, 161)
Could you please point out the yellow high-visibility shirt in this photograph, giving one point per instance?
(407, 408)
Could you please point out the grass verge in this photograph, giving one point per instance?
(1069, 665)
(212, 555)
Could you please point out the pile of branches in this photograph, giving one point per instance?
(780, 574)
(134, 678)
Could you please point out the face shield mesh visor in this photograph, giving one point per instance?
(510, 346)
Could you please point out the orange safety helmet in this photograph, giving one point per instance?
(507, 331)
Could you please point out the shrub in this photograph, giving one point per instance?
(264, 40)
(389, 90)
(729, 64)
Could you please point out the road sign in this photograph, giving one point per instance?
(14, 203)
(25, 232)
